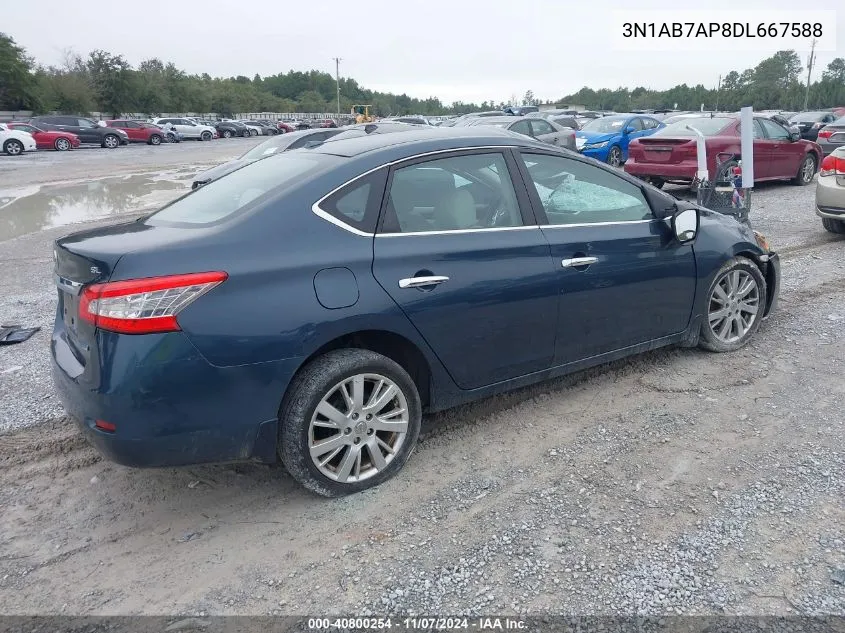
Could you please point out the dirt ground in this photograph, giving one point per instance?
(674, 482)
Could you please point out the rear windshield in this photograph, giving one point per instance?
(231, 194)
(705, 125)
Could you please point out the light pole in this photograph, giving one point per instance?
(337, 61)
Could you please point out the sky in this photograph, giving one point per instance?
(467, 50)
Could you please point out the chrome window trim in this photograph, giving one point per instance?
(566, 226)
(461, 231)
(320, 213)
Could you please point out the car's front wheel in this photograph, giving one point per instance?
(349, 422)
(736, 301)
(834, 226)
(62, 144)
(614, 156)
(206, 136)
(110, 141)
(155, 139)
(807, 171)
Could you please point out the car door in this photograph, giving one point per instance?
(88, 131)
(623, 279)
(543, 131)
(784, 155)
(188, 128)
(459, 251)
(638, 131)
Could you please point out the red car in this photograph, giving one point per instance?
(45, 139)
(328, 123)
(139, 131)
(285, 127)
(670, 155)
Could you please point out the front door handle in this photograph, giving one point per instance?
(575, 262)
(419, 282)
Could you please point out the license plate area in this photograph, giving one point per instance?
(70, 312)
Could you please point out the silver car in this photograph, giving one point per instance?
(830, 191)
(535, 127)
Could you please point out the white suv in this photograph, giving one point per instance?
(188, 129)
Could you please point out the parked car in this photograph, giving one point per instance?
(670, 155)
(262, 129)
(434, 273)
(832, 136)
(327, 123)
(830, 191)
(47, 139)
(87, 130)
(16, 142)
(190, 130)
(809, 123)
(607, 138)
(228, 129)
(520, 110)
(140, 131)
(413, 120)
(535, 127)
(254, 130)
(777, 117)
(293, 140)
(464, 119)
(564, 120)
(284, 127)
(298, 124)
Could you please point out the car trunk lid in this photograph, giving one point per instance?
(664, 149)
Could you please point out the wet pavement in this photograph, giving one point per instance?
(40, 207)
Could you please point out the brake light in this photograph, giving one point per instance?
(144, 306)
(832, 166)
(825, 133)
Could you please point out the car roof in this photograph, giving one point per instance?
(507, 118)
(418, 140)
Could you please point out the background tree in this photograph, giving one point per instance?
(18, 83)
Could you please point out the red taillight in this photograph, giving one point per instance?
(144, 306)
(832, 166)
(825, 133)
(105, 426)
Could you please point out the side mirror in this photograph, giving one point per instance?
(685, 224)
(794, 133)
(629, 130)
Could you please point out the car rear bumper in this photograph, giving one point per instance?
(170, 406)
(772, 283)
(678, 171)
(828, 146)
(830, 197)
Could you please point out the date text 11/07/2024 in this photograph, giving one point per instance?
(417, 624)
(748, 30)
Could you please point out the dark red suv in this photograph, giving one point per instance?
(139, 131)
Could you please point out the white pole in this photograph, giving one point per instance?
(701, 151)
(746, 118)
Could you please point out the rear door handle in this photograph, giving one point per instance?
(418, 282)
(578, 261)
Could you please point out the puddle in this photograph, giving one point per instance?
(43, 207)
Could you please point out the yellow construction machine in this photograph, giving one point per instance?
(362, 114)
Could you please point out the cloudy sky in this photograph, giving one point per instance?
(467, 50)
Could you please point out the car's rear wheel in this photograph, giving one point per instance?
(807, 171)
(155, 139)
(206, 136)
(62, 144)
(349, 422)
(13, 147)
(834, 226)
(736, 301)
(110, 141)
(614, 156)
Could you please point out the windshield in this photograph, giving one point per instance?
(268, 148)
(809, 116)
(605, 124)
(227, 196)
(483, 123)
(705, 125)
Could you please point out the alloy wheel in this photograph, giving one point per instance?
(111, 142)
(614, 158)
(358, 428)
(62, 144)
(734, 306)
(808, 169)
(13, 148)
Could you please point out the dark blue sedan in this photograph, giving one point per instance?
(311, 306)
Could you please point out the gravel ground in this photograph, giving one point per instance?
(675, 482)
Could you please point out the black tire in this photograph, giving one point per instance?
(62, 144)
(171, 138)
(834, 226)
(654, 181)
(206, 136)
(111, 141)
(806, 171)
(13, 147)
(614, 156)
(306, 391)
(253, 132)
(155, 139)
(709, 339)
(227, 133)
